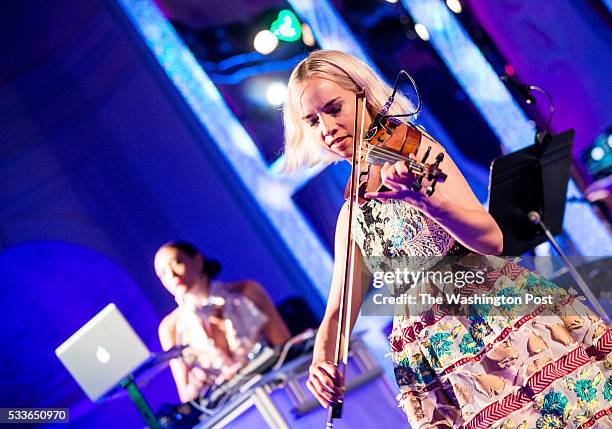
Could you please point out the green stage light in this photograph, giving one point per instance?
(287, 27)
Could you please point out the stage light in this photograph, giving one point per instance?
(287, 27)
(597, 157)
(454, 5)
(265, 42)
(391, 1)
(307, 36)
(421, 30)
(276, 94)
(597, 154)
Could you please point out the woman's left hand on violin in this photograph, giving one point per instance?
(398, 178)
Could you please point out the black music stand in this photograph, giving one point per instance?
(532, 179)
(527, 193)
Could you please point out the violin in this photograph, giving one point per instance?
(391, 140)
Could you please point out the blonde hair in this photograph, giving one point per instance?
(349, 73)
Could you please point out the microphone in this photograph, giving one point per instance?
(380, 115)
(388, 104)
(523, 90)
(377, 121)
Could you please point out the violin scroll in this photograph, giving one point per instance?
(418, 183)
(391, 142)
(435, 174)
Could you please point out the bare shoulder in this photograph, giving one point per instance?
(167, 330)
(168, 323)
(249, 288)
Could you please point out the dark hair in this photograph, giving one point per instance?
(210, 267)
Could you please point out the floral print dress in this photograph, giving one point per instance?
(496, 367)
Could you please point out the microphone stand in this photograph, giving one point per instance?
(510, 172)
(536, 219)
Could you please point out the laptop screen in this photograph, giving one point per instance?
(103, 352)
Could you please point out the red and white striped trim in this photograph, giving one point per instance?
(502, 336)
(536, 384)
(512, 271)
(603, 346)
(430, 318)
(598, 415)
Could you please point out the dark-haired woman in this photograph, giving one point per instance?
(220, 323)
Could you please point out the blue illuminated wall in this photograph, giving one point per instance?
(53, 288)
(99, 164)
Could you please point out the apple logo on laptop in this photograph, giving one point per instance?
(102, 354)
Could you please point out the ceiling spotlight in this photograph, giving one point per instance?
(597, 157)
(276, 94)
(597, 153)
(265, 42)
(391, 1)
(454, 5)
(421, 30)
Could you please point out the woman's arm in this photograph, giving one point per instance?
(453, 205)
(324, 379)
(167, 338)
(275, 330)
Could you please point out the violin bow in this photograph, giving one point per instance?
(343, 331)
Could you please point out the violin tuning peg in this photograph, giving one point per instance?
(427, 152)
(431, 188)
(417, 184)
(440, 157)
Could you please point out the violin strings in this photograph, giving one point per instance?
(411, 164)
(392, 156)
(382, 156)
(415, 169)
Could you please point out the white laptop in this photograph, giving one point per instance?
(103, 352)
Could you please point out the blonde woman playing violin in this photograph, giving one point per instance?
(437, 389)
